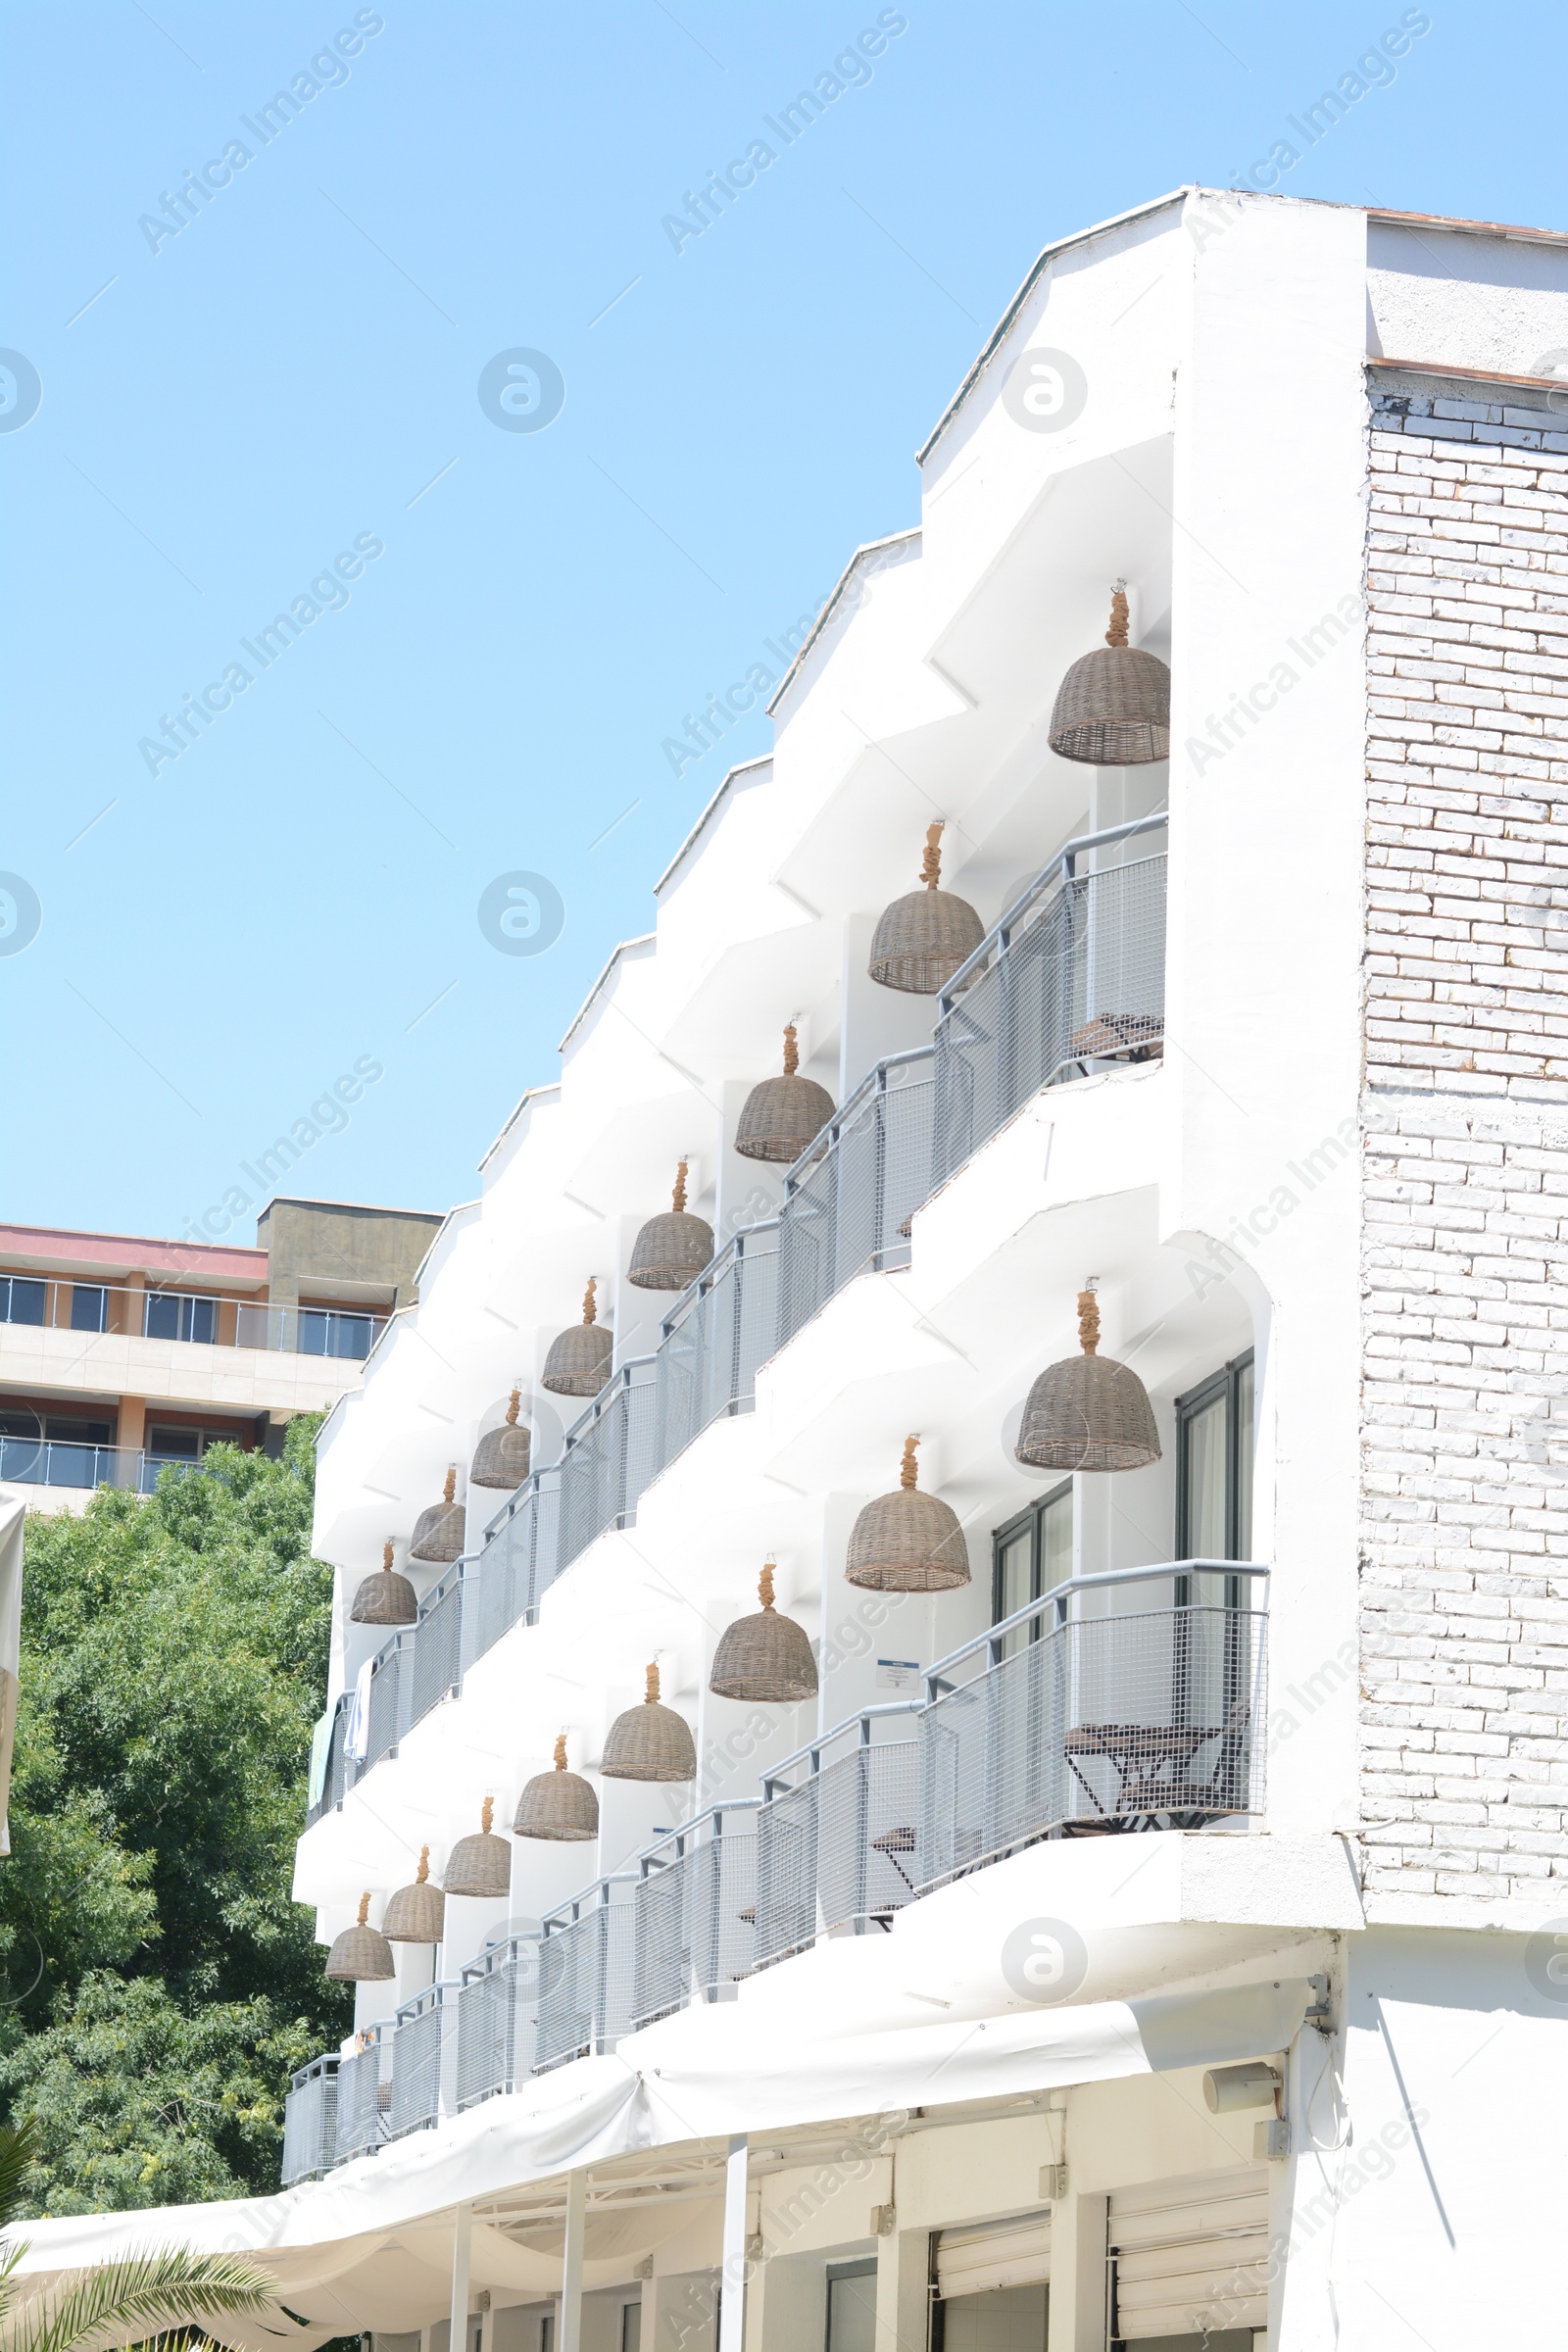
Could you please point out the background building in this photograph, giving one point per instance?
(119, 1354)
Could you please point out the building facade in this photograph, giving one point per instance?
(1151, 1929)
(120, 1355)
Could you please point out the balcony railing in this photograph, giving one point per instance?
(365, 2092)
(838, 1835)
(587, 1971)
(1070, 980)
(310, 2122)
(53, 1462)
(195, 1318)
(1121, 1701)
(424, 2053)
(695, 1926)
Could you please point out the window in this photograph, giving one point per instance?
(89, 1306)
(61, 1430)
(1215, 1443)
(176, 1444)
(631, 2327)
(177, 1315)
(1031, 1555)
(21, 1299)
(852, 2307)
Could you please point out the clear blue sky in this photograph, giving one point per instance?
(228, 413)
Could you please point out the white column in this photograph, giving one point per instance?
(732, 2307)
(903, 2291)
(461, 2238)
(568, 2332)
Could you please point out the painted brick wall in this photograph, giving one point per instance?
(1464, 1569)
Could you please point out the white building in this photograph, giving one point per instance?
(913, 2000)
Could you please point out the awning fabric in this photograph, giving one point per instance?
(367, 2239)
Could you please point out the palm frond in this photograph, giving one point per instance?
(19, 2146)
(145, 2294)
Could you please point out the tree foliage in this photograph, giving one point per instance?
(157, 1982)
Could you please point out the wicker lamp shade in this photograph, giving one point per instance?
(579, 1358)
(766, 1657)
(908, 1541)
(438, 1532)
(922, 939)
(500, 1457)
(780, 1116)
(481, 1864)
(1088, 1413)
(672, 1248)
(1113, 708)
(650, 1743)
(417, 1913)
(559, 1804)
(362, 1954)
(384, 1597)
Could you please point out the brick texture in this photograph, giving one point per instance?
(1464, 1559)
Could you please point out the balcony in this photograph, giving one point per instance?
(193, 1318)
(1120, 1703)
(1071, 980)
(49, 1462)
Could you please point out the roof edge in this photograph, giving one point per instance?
(741, 768)
(1042, 263)
(868, 547)
(644, 939)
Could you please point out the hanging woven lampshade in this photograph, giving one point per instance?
(384, 1597)
(1113, 708)
(908, 1541)
(766, 1657)
(362, 1954)
(1088, 1413)
(650, 1743)
(672, 1248)
(500, 1457)
(559, 1804)
(481, 1863)
(780, 1116)
(578, 1362)
(923, 938)
(438, 1532)
(417, 1913)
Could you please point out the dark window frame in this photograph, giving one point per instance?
(1226, 1383)
(1032, 1519)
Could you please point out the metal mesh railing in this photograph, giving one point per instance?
(587, 1965)
(714, 1339)
(364, 2095)
(1137, 1716)
(851, 1198)
(310, 2122)
(391, 1708)
(696, 1912)
(838, 1834)
(422, 2050)
(610, 1456)
(498, 2020)
(1079, 978)
(437, 1661)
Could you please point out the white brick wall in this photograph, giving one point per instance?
(1464, 1570)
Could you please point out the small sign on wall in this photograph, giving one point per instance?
(898, 1674)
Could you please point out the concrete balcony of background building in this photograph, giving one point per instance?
(197, 1346)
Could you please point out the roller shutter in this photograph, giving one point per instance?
(1189, 2257)
(972, 2262)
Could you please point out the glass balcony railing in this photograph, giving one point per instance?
(190, 1318)
(1123, 1701)
(1071, 980)
(49, 1462)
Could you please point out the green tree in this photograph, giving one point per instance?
(158, 1984)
